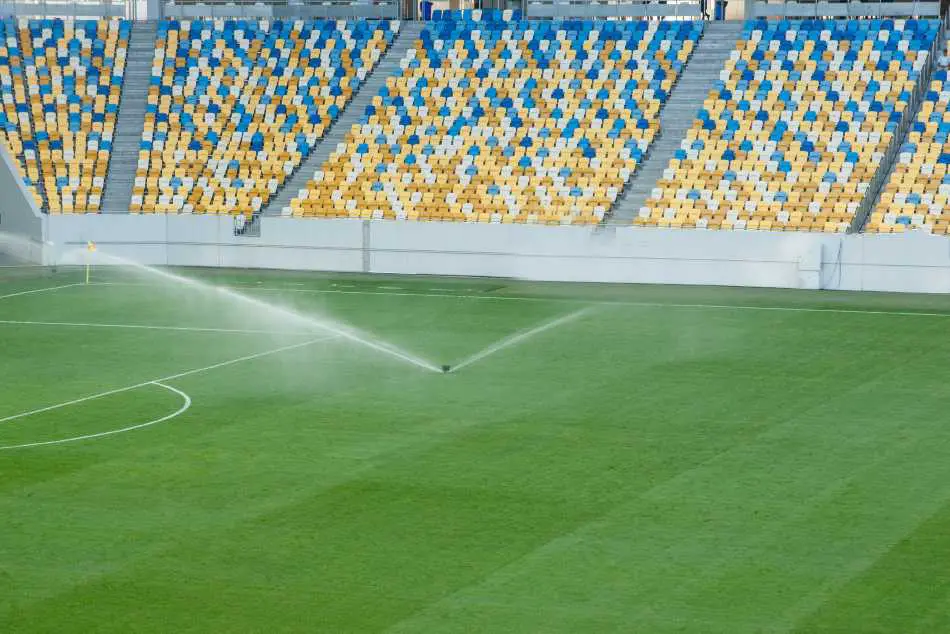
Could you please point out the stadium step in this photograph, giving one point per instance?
(389, 65)
(128, 131)
(699, 76)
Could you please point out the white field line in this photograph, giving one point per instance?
(21, 322)
(186, 403)
(163, 379)
(568, 300)
(45, 289)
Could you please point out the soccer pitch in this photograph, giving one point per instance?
(667, 460)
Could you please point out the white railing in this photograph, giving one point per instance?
(843, 9)
(338, 9)
(617, 9)
(66, 8)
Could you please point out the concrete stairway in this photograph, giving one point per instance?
(387, 66)
(677, 116)
(128, 131)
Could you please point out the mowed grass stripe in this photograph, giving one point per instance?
(677, 539)
(647, 470)
(225, 532)
(570, 300)
(907, 589)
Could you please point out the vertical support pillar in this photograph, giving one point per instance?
(367, 245)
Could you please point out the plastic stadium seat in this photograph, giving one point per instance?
(502, 120)
(915, 196)
(234, 106)
(792, 133)
(61, 83)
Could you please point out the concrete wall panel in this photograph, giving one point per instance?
(910, 263)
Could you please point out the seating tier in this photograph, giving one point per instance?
(917, 191)
(497, 120)
(61, 83)
(796, 127)
(234, 106)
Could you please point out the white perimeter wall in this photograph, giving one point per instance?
(905, 263)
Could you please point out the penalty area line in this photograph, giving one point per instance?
(45, 289)
(163, 379)
(573, 300)
(186, 403)
(74, 324)
(635, 304)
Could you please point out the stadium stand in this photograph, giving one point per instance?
(708, 59)
(387, 67)
(498, 119)
(61, 87)
(16, 134)
(795, 128)
(917, 191)
(235, 105)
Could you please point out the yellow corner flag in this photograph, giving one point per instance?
(91, 248)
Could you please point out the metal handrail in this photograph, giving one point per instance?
(69, 8)
(607, 9)
(855, 8)
(282, 3)
(883, 173)
(387, 9)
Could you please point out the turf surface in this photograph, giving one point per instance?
(676, 460)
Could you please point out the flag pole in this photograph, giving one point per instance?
(90, 248)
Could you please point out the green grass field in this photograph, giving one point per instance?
(675, 460)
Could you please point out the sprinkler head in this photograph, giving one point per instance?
(446, 369)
